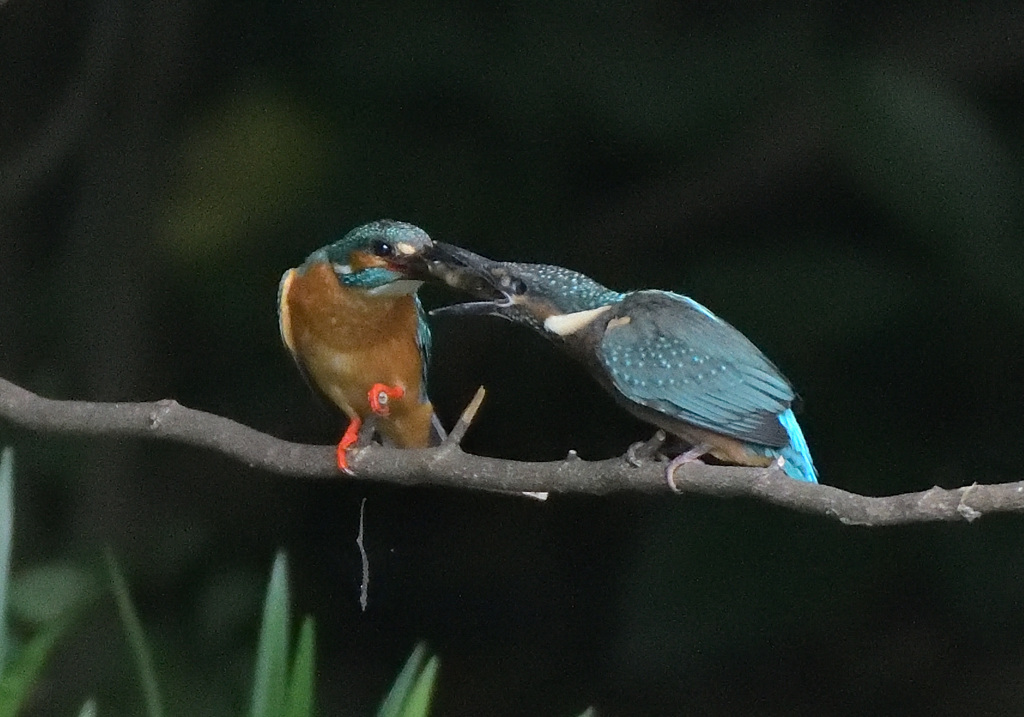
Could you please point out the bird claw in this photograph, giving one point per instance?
(688, 457)
(632, 454)
(381, 394)
(641, 451)
(775, 466)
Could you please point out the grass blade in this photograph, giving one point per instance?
(6, 531)
(418, 702)
(269, 682)
(301, 699)
(136, 637)
(399, 693)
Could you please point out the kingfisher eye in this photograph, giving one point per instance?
(513, 285)
(381, 248)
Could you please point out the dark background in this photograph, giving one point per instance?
(844, 185)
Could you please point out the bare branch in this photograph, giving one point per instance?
(450, 466)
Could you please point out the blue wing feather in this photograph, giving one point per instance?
(675, 356)
(423, 341)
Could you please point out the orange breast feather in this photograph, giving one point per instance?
(347, 340)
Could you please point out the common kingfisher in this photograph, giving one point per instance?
(665, 358)
(352, 321)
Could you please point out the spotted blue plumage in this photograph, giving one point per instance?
(678, 358)
(675, 358)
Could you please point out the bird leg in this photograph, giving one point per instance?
(359, 432)
(380, 394)
(688, 457)
(350, 437)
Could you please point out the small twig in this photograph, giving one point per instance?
(466, 419)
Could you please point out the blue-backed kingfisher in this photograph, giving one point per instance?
(351, 320)
(664, 357)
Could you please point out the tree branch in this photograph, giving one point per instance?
(449, 466)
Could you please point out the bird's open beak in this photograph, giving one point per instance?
(474, 274)
(470, 308)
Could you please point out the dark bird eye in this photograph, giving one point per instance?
(381, 248)
(517, 286)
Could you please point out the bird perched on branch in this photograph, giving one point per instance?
(352, 322)
(665, 358)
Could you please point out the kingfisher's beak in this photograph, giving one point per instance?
(471, 308)
(474, 274)
(461, 269)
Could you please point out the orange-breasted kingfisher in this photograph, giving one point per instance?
(665, 358)
(352, 321)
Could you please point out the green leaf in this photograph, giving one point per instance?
(269, 683)
(6, 531)
(410, 694)
(21, 673)
(418, 703)
(136, 637)
(399, 692)
(300, 682)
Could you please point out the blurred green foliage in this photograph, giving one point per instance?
(42, 599)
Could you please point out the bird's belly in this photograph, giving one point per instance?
(730, 450)
(346, 376)
(346, 341)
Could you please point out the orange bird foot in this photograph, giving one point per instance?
(380, 394)
(346, 442)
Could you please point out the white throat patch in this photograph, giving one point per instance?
(567, 324)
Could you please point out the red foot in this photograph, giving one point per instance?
(346, 442)
(380, 394)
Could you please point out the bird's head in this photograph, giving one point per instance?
(537, 295)
(371, 257)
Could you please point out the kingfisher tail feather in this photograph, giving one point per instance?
(796, 456)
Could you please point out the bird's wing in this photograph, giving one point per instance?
(437, 432)
(423, 342)
(675, 356)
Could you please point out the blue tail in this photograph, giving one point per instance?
(796, 456)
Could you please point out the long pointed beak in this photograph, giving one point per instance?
(470, 308)
(462, 269)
